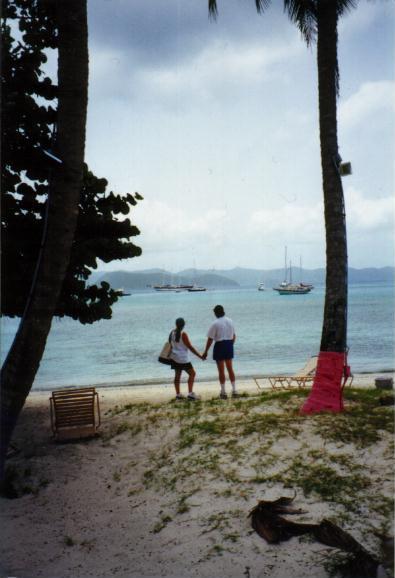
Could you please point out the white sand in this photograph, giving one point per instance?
(92, 514)
(205, 389)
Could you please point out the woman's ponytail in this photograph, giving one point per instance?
(180, 323)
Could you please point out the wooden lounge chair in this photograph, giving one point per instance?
(301, 379)
(304, 377)
(75, 413)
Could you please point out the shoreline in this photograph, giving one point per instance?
(164, 391)
(152, 382)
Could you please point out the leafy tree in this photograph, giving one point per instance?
(28, 129)
(46, 198)
(317, 21)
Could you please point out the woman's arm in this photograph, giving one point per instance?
(186, 342)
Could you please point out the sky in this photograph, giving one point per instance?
(215, 124)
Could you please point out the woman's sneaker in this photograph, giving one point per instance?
(223, 395)
(193, 397)
(180, 397)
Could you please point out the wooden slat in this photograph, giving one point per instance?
(74, 406)
(74, 412)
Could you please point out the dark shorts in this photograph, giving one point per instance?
(223, 350)
(181, 366)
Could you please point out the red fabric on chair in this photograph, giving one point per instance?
(327, 391)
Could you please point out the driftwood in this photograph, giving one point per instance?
(267, 519)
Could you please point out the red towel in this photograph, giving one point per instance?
(327, 391)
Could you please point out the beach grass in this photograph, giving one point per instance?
(263, 441)
(192, 471)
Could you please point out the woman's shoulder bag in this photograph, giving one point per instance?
(164, 355)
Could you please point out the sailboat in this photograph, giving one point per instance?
(289, 288)
(171, 287)
(196, 288)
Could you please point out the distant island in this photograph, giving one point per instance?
(233, 278)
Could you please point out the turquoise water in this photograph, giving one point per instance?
(275, 334)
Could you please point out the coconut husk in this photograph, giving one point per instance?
(267, 519)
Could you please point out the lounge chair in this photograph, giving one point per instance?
(304, 377)
(75, 413)
(300, 379)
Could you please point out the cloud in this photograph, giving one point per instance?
(367, 214)
(372, 98)
(216, 69)
(363, 214)
(164, 226)
(158, 32)
(295, 220)
(364, 19)
(223, 116)
(146, 31)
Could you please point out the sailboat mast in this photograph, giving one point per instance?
(285, 266)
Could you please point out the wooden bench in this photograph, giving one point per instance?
(75, 413)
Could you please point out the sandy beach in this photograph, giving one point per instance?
(166, 487)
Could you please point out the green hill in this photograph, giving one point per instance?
(232, 278)
(145, 279)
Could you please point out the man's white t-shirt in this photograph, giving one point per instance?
(222, 329)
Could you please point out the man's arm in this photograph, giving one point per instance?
(208, 345)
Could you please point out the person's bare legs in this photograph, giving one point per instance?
(177, 379)
(229, 367)
(231, 373)
(221, 375)
(191, 372)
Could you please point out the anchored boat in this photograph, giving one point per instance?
(289, 288)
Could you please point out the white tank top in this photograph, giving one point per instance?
(179, 351)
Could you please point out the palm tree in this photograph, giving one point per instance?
(317, 20)
(22, 363)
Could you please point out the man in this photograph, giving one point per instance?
(223, 333)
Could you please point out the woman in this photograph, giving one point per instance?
(180, 348)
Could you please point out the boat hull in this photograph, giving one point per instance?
(292, 291)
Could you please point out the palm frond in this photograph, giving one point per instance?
(303, 13)
(345, 6)
(212, 9)
(262, 4)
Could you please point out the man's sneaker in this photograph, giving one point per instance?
(223, 395)
(235, 394)
(180, 397)
(193, 397)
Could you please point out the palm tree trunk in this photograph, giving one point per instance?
(25, 355)
(326, 392)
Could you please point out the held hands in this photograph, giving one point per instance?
(204, 356)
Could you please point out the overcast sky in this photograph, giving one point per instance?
(216, 125)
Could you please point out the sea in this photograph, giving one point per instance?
(275, 334)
